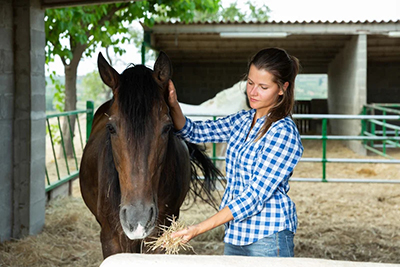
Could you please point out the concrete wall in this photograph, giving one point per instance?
(198, 82)
(6, 118)
(22, 118)
(347, 88)
(383, 81)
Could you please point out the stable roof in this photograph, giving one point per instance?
(315, 43)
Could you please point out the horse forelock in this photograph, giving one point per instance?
(137, 95)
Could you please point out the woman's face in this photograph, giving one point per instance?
(262, 91)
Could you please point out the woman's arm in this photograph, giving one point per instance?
(200, 131)
(175, 109)
(223, 216)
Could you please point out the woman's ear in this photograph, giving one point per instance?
(285, 86)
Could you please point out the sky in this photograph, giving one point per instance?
(281, 10)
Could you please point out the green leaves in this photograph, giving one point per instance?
(94, 25)
(59, 95)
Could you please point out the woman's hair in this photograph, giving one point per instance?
(284, 68)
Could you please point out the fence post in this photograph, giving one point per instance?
(384, 133)
(324, 139)
(364, 124)
(89, 117)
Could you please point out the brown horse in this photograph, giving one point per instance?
(135, 171)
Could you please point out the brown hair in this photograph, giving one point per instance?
(284, 68)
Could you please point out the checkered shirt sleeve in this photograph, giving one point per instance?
(209, 131)
(276, 163)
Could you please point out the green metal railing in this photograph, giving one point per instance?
(57, 140)
(374, 127)
(324, 137)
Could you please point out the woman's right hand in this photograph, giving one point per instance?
(172, 96)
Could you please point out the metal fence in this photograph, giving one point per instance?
(65, 169)
(374, 127)
(324, 137)
(61, 167)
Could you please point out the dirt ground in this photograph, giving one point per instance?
(339, 221)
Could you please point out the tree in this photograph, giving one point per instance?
(235, 13)
(77, 31)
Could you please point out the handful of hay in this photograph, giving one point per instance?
(166, 242)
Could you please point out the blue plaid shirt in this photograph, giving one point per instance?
(257, 173)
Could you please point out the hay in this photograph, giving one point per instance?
(166, 243)
(70, 238)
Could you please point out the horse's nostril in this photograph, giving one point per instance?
(151, 214)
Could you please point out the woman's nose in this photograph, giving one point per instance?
(253, 90)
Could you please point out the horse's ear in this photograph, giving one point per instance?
(162, 70)
(107, 73)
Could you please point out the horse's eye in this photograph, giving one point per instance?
(110, 129)
(166, 129)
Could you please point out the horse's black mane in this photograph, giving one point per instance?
(137, 94)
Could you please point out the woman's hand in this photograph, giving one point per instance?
(187, 234)
(172, 96)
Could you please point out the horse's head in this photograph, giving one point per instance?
(138, 130)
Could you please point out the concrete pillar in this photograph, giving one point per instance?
(29, 119)
(6, 118)
(347, 91)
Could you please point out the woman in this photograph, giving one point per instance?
(264, 146)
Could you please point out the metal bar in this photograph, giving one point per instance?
(318, 116)
(384, 133)
(364, 124)
(394, 127)
(63, 145)
(89, 118)
(390, 110)
(80, 131)
(349, 137)
(377, 151)
(373, 126)
(63, 181)
(339, 180)
(324, 133)
(52, 146)
(333, 180)
(47, 176)
(67, 113)
(393, 105)
(344, 160)
(72, 141)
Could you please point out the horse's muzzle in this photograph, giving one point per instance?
(138, 221)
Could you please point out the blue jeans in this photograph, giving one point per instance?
(277, 245)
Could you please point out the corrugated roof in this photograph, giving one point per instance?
(278, 22)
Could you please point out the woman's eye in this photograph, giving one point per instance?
(111, 129)
(265, 88)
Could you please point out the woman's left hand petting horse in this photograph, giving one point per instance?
(134, 171)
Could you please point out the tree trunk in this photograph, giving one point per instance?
(70, 98)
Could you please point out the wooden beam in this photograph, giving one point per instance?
(69, 3)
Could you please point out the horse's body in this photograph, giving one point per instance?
(134, 170)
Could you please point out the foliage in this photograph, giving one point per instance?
(55, 133)
(94, 89)
(235, 13)
(59, 95)
(68, 29)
